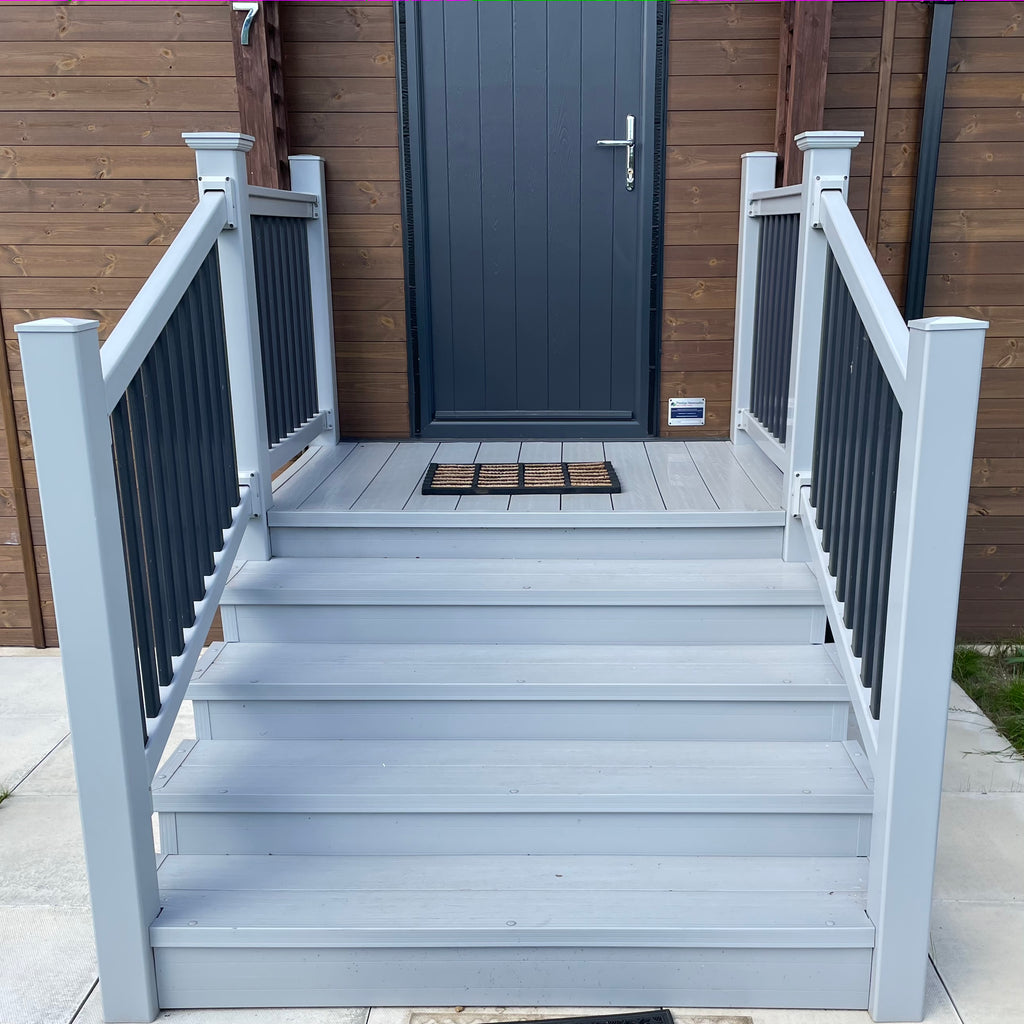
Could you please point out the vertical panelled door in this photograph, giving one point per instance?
(532, 177)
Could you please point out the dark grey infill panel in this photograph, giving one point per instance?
(532, 260)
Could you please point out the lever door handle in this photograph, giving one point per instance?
(630, 143)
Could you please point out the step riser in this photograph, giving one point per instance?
(495, 542)
(698, 834)
(520, 719)
(525, 624)
(517, 976)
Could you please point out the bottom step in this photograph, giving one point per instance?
(500, 930)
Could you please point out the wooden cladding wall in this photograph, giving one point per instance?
(339, 69)
(723, 79)
(95, 183)
(976, 268)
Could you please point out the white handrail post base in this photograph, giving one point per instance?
(826, 164)
(757, 175)
(936, 449)
(307, 174)
(220, 156)
(71, 435)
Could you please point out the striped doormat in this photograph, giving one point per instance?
(521, 478)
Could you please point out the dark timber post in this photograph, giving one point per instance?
(803, 68)
(928, 160)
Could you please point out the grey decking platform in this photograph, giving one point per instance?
(656, 476)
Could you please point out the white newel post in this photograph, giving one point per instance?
(72, 441)
(220, 163)
(307, 174)
(826, 167)
(757, 175)
(936, 449)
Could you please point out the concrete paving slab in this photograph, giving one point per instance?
(41, 853)
(91, 1014)
(978, 759)
(981, 856)
(31, 685)
(978, 949)
(47, 963)
(24, 741)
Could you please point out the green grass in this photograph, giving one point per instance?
(5, 793)
(994, 680)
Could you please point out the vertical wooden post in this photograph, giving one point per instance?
(220, 161)
(936, 448)
(757, 175)
(307, 174)
(261, 107)
(26, 541)
(826, 166)
(803, 69)
(71, 433)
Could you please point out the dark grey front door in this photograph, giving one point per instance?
(532, 270)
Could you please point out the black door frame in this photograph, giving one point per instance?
(650, 188)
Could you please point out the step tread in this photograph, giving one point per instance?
(293, 671)
(499, 900)
(530, 581)
(427, 776)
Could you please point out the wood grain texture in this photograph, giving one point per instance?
(96, 183)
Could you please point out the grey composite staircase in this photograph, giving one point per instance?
(516, 780)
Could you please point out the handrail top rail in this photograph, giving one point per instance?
(883, 321)
(136, 332)
(280, 194)
(778, 193)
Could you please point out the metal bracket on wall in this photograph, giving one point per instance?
(253, 10)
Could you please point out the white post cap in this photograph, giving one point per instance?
(57, 325)
(827, 140)
(219, 140)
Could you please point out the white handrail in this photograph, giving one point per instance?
(882, 319)
(276, 202)
(131, 340)
(774, 202)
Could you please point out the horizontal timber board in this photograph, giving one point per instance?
(369, 261)
(101, 195)
(724, 92)
(326, 128)
(724, 21)
(62, 23)
(118, 93)
(986, 557)
(308, 58)
(956, 225)
(361, 95)
(960, 158)
(106, 162)
(961, 124)
(368, 294)
(372, 357)
(358, 163)
(700, 260)
(77, 228)
(713, 58)
(103, 261)
(114, 58)
(372, 229)
(316, 22)
(997, 473)
(961, 194)
(110, 127)
(362, 196)
(368, 326)
(711, 128)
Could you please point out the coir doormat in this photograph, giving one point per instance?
(521, 478)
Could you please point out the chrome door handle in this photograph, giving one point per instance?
(630, 143)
